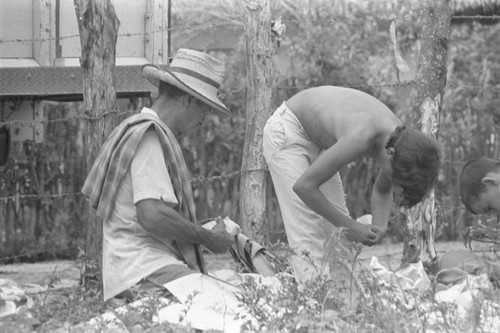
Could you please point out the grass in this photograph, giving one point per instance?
(360, 303)
(352, 303)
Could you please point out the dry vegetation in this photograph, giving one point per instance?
(321, 306)
(338, 54)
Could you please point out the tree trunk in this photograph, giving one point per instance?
(259, 78)
(98, 27)
(420, 227)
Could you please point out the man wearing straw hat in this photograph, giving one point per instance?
(140, 186)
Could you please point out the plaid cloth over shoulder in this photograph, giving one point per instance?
(114, 160)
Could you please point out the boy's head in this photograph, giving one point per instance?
(416, 159)
(479, 184)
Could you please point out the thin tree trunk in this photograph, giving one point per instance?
(98, 27)
(259, 67)
(420, 227)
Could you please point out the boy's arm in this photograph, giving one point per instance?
(381, 203)
(321, 170)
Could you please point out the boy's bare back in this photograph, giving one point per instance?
(329, 113)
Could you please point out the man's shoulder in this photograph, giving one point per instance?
(142, 121)
(148, 111)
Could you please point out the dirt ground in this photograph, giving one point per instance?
(36, 277)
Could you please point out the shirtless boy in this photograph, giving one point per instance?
(310, 137)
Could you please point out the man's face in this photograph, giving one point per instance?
(196, 113)
(488, 201)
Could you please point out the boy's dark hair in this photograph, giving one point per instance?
(469, 180)
(415, 164)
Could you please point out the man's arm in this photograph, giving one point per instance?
(165, 223)
(381, 204)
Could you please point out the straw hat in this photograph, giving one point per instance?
(196, 73)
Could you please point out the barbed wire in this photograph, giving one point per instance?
(62, 195)
(199, 179)
(84, 113)
(495, 89)
(203, 179)
(356, 85)
(213, 23)
(239, 19)
(194, 180)
(39, 196)
(491, 88)
(374, 19)
(439, 205)
(201, 221)
(33, 252)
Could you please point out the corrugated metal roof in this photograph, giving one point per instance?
(66, 82)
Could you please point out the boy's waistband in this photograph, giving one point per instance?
(288, 115)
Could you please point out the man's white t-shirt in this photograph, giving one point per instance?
(130, 253)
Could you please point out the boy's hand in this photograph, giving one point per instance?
(361, 233)
(380, 232)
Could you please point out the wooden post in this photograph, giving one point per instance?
(157, 34)
(98, 27)
(44, 31)
(259, 78)
(420, 227)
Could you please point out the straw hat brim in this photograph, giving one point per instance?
(155, 74)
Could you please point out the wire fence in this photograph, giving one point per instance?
(84, 113)
(234, 20)
(190, 27)
(238, 20)
(40, 251)
(442, 202)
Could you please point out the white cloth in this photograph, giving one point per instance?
(201, 302)
(212, 304)
(13, 298)
(409, 287)
(130, 253)
(288, 153)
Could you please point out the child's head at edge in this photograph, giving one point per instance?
(476, 178)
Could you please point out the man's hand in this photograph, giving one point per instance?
(219, 239)
(360, 233)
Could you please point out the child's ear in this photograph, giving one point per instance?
(489, 181)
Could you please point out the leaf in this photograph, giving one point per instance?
(277, 30)
(400, 62)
